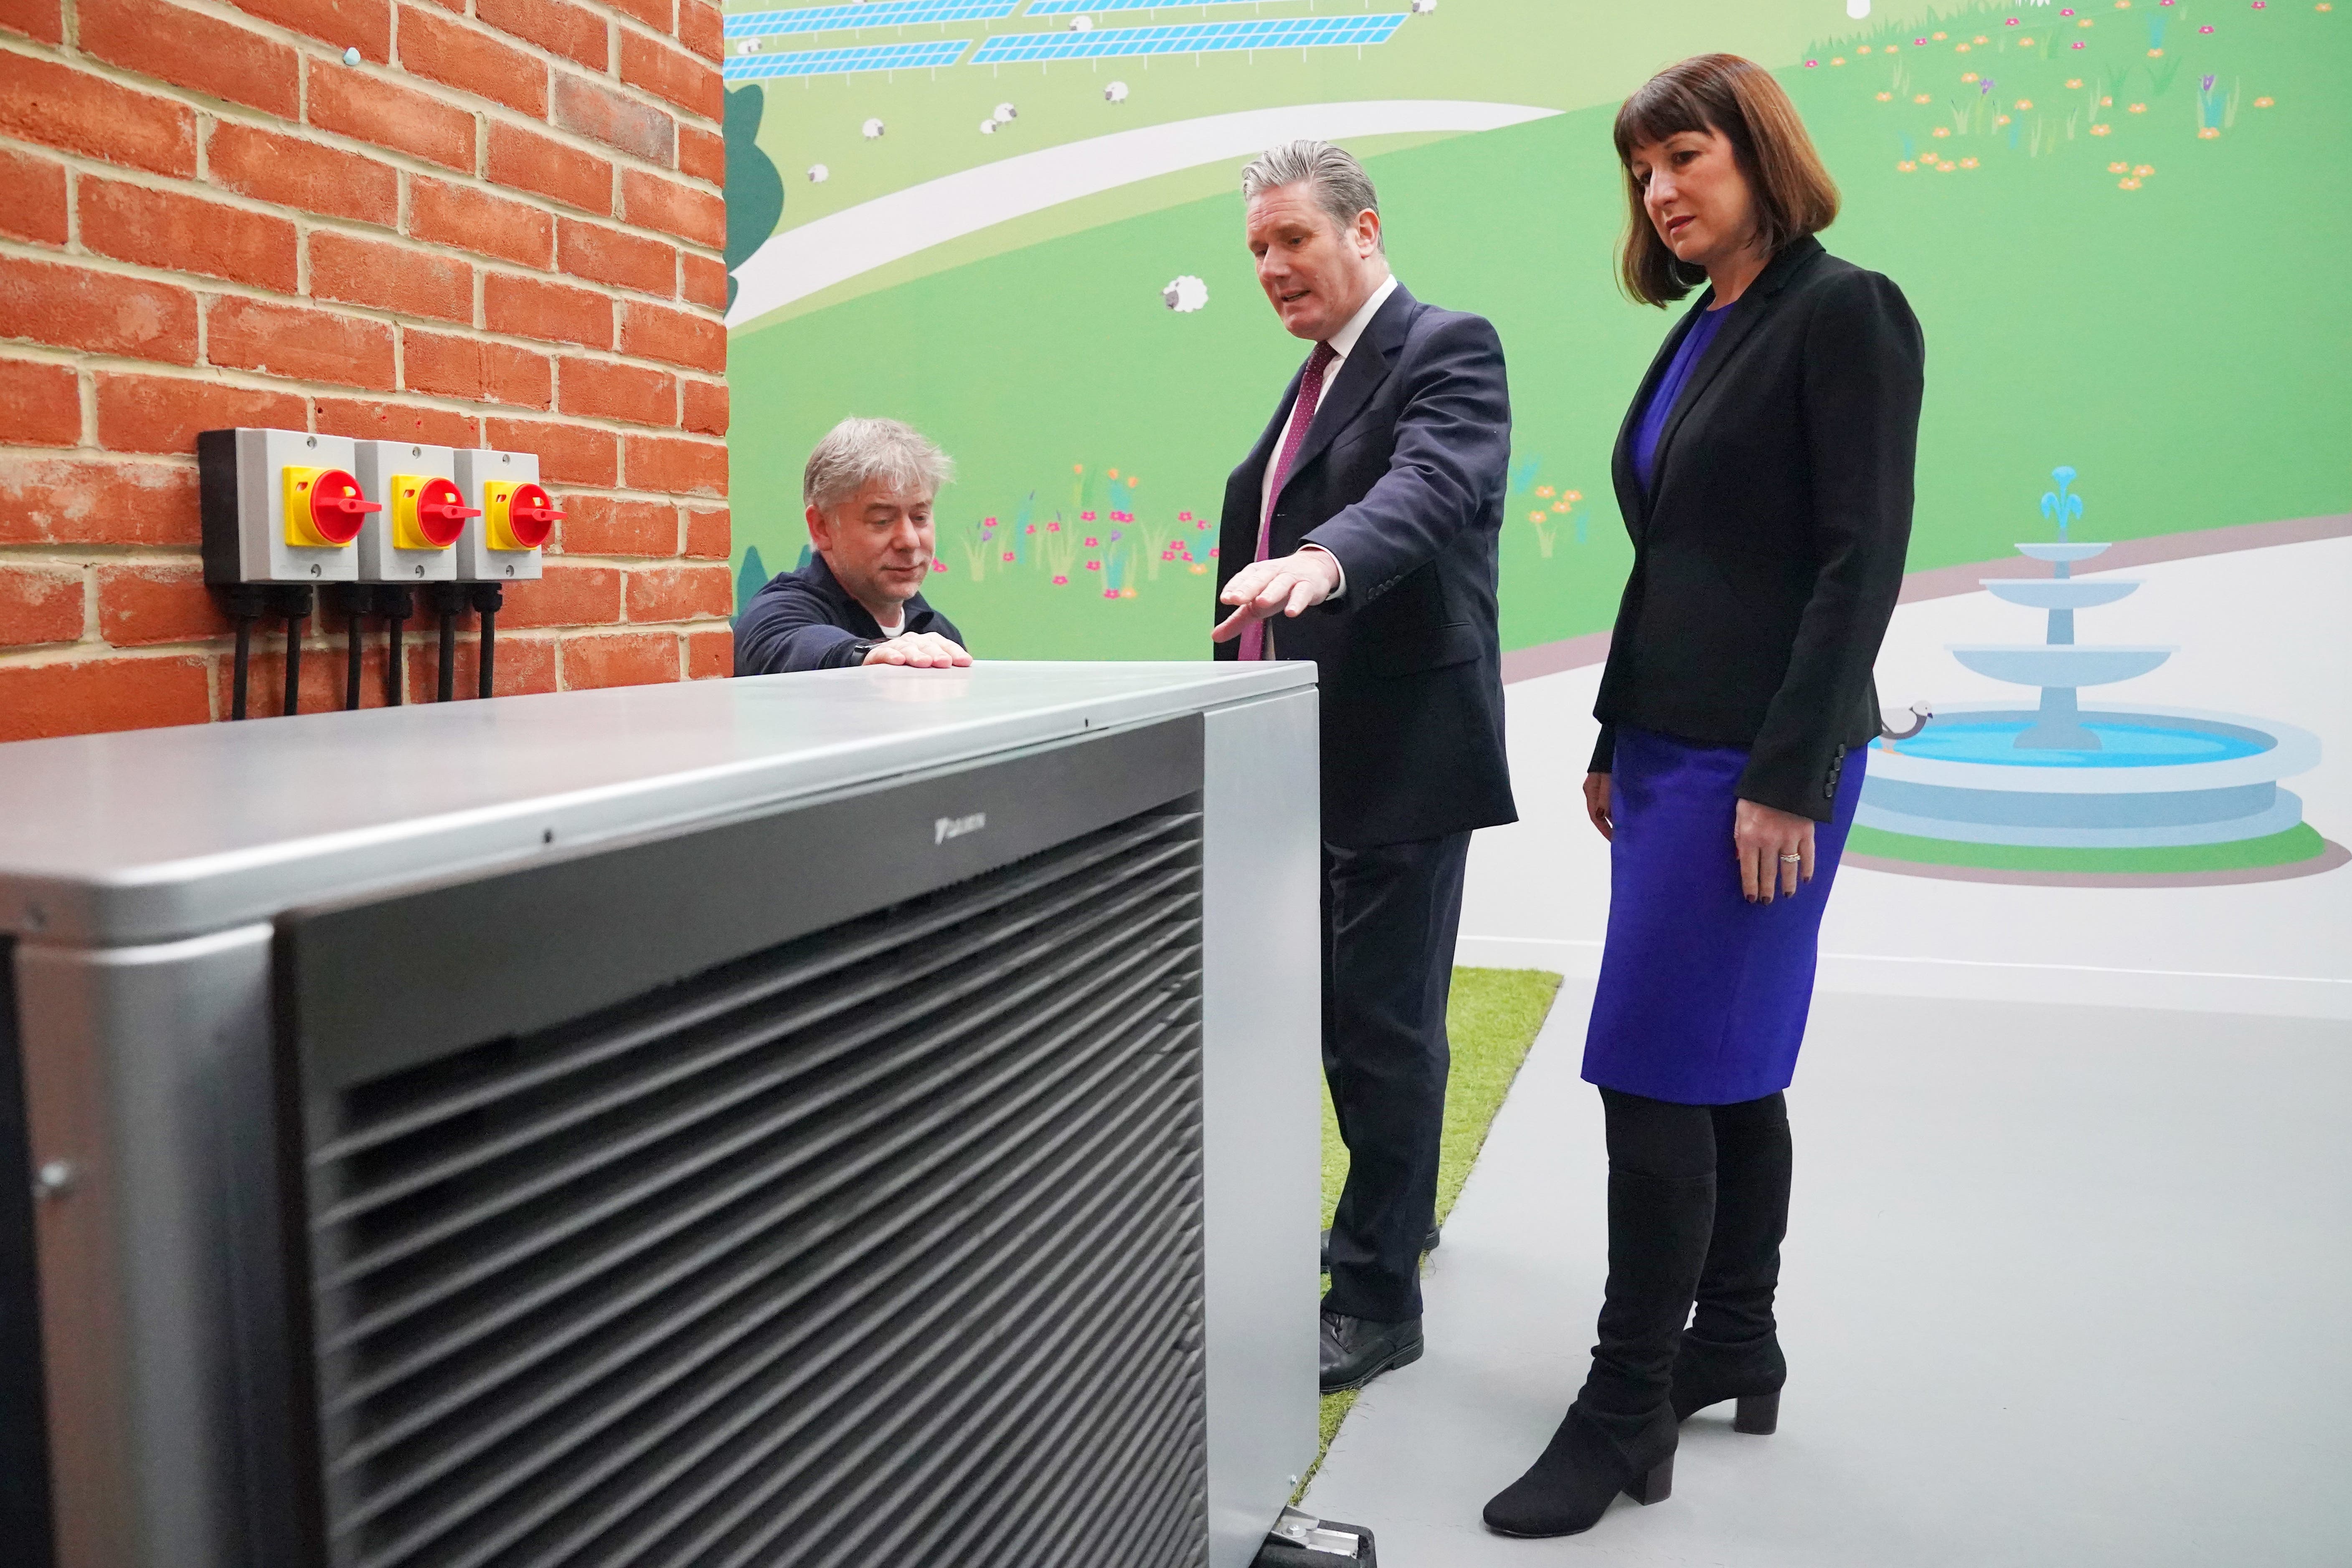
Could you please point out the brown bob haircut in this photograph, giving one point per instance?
(1737, 99)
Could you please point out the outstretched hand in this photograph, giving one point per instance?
(1290, 586)
(918, 650)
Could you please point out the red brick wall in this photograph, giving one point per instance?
(503, 227)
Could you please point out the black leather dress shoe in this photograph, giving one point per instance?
(1356, 1349)
(1429, 1245)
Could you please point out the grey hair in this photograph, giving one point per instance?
(856, 450)
(1340, 186)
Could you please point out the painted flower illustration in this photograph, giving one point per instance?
(2265, 102)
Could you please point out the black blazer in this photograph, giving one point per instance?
(1401, 476)
(1768, 551)
(805, 619)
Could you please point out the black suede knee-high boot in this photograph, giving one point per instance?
(1620, 1434)
(1732, 1349)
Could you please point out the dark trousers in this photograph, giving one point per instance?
(1389, 915)
(1698, 1204)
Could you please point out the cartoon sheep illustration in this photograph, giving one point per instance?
(1082, 24)
(988, 127)
(1114, 93)
(819, 173)
(1185, 295)
(873, 130)
(1005, 114)
(1423, 7)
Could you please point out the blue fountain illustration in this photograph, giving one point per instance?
(2063, 776)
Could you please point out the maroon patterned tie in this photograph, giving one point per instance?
(1311, 393)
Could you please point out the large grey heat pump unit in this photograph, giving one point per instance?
(863, 1118)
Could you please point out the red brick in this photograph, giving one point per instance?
(322, 670)
(91, 695)
(164, 229)
(709, 534)
(164, 413)
(36, 207)
(653, 14)
(681, 592)
(616, 256)
(104, 312)
(366, 419)
(619, 659)
(557, 312)
(464, 365)
(65, 500)
(390, 276)
(667, 71)
(675, 467)
(568, 453)
(679, 337)
(59, 105)
(603, 525)
(529, 161)
(524, 664)
(40, 404)
(702, 154)
(302, 175)
(298, 342)
(600, 389)
(42, 19)
(390, 115)
(157, 603)
(39, 604)
(706, 407)
(702, 30)
(567, 29)
(654, 201)
(342, 23)
(567, 597)
(588, 110)
(466, 57)
(702, 280)
(475, 220)
(190, 49)
(710, 655)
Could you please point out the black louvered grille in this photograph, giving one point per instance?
(881, 1247)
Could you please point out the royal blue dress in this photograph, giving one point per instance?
(1703, 996)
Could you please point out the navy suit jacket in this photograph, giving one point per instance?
(1401, 476)
(805, 619)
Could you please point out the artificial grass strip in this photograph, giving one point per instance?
(1491, 1018)
(2294, 845)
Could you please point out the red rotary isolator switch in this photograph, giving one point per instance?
(428, 513)
(324, 507)
(521, 516)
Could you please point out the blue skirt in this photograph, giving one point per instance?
(1703, 996)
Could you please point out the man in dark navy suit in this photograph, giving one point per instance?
(1361, 532)
(868, 488)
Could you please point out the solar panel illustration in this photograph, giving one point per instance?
(1199, 38)
(1076, 7)
(884, 14)
(841, 62)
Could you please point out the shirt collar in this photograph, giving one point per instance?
(1343, 341)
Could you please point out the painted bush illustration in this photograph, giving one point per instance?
(755, 191)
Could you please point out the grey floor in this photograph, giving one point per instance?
(2063, 1286)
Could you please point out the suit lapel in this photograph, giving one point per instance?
(1360, 374)
(1632, 500)
(1752, 308)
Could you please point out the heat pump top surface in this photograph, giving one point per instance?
(156, 834)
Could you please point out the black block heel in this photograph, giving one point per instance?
(1757, 1415)
(1656, 1486)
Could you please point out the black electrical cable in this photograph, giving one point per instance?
(355, 609)
(487, 598)
(396, 605)
(449, 601)
(245, 604)
(296, 606)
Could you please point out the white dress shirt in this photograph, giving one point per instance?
(1341, 343)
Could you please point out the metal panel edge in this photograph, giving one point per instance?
(1261, 1055)
(146, 1075)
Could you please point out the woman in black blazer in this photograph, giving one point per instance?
(1764, 473)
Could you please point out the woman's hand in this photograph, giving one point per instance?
(1775, 849)
(1596, 804)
